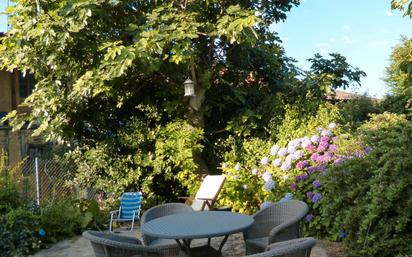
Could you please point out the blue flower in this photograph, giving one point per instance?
(269, 185)
(316, 197)
(343, 234)
(265, 205)
(316, 184)
(309, 217)
(287, 197)
(42, 232)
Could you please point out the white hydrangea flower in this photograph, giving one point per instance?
(237, 167)
(314, 139)
(274, 150)
(332, 125)
(282, 152)
(286, 166)
(264, 161)
(326, 133)
(277, 162)
(255, 171)
(306, 142)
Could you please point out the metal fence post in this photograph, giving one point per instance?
(37, 181)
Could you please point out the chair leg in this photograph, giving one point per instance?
(111, 221)
(131, 229)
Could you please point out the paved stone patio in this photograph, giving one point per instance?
(80, 247)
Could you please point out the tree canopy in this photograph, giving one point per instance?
(110, 77)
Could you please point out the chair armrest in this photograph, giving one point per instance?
(205, 199)
(284, 231)
(289, 247)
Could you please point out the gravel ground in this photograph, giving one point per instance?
(80, 247)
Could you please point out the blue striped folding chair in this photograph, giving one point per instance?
(129, 210)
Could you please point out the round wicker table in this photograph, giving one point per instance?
(194, 225)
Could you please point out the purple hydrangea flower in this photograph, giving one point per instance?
(316, 197)
(309, 217)
(282, 152)
(314, 157)
(311, 148)
(333, 148)
(314, 139)
(310, 194)
(237, 167)
(277, 162)
(229, 173)
(274, 150)
(316, 184)
(224, 165)
(265, 205)
(302, 164)
(311, 169)
(266, 176)
(324, 139)
(293, 186)
(286, 166)
(236, 177)
(338, 161)
(269, 185)
(368, 149)
(255, 171)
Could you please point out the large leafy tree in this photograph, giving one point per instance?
(110, 77)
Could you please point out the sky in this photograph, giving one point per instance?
(364, 31)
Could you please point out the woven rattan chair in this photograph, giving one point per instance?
(112, 245)
(160, 211)
(300, 247)
(276, 223)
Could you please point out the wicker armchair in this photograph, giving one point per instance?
(279, 222)
(112, 245)
(300, 247)
(160, 211)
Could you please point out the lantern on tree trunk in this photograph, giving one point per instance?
(189, 87)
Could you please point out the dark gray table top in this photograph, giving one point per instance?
(197, 224)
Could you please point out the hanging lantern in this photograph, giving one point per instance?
(189, 87)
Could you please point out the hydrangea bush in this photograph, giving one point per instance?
(283, 172)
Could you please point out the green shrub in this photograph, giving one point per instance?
(18, 232)
(369, 200)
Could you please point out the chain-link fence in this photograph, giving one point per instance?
(48, 178)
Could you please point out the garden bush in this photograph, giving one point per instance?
(369, 199)
(261, 172)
